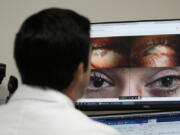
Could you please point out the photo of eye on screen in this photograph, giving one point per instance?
(147, 66)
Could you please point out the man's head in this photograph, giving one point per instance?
(51, 46)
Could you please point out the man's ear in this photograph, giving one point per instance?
(78, 74)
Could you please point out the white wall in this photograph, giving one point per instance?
(13, 12)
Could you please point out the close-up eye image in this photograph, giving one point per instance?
(108, 83)
(155, 51)
(144, 66)
(155, 82)
(109, 52)
(145, 82)
(164, 83)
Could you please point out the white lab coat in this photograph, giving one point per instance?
(35, 111)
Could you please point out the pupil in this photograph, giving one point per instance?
(97, 82)
(167, 81)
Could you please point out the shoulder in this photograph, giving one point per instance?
(71, 120)
(84, 124)
(76, 122)
(54, 118)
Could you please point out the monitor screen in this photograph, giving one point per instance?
(163, 123)
(134, 64)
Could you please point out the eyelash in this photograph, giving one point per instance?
(94, 47)
(156, 86)
(104, 81)
(158, 41)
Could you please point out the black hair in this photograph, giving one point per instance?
(50, 45)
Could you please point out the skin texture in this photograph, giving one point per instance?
(146, 82)
(109, 53)
(154, 51)
(134, 66)
(80, 81)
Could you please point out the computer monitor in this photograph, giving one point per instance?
(161, 123)
(134, 65)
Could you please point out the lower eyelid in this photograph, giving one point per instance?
(152, 85)
(163, 93)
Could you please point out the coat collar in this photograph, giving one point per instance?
(26, 92)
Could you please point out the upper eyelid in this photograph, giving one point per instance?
(174, 76)
(102, 47)
(163, 73)
(108, 46)
(103, 76)
(157, 41)
(152, 42)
